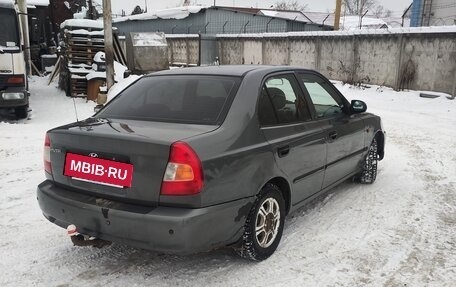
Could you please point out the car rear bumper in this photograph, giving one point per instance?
(164, 229)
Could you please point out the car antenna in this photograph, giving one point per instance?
(75, 110)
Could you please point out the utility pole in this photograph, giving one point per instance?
(109, 50)
(337, 14)
(22, 5)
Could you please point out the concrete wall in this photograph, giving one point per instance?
(380, 59)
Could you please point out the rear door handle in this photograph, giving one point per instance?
(283, 151)
(333, 135)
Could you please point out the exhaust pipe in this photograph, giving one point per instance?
(81, 240)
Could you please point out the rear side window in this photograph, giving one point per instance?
(281, 102)
(179, 99)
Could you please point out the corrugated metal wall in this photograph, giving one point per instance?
(417, 11)
(217, 21)
(229, 22)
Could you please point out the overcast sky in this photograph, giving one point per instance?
(397, 6)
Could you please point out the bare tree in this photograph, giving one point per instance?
(380, 12)
(356, 7)
(290, 5)
(137, 10)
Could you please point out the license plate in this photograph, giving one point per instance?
(97, 170)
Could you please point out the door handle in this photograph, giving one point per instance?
(283, 151)
(333, 135)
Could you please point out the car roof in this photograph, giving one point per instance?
(226, 70)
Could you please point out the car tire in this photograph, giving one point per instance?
(264, 225)
(21, 112)
(369, 172)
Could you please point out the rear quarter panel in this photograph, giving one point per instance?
(237, 160)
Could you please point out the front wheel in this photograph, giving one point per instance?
(264, 225)
(369, 172)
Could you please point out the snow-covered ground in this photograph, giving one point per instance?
(400, 231)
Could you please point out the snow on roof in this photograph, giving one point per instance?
(6, 3)
(389, 31)
(82, 23)
(352, 22)
(172, 13)
(289, 15)
(38, 2)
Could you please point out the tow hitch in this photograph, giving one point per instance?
(81, 240)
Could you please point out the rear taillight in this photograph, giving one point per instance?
(184, 172)
(16, 80)
(47, 155)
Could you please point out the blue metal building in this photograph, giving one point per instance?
(219, 20)
(433, 13)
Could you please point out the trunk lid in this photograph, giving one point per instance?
(143, 144)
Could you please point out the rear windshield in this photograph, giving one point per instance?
(9, 34)
(178, 99)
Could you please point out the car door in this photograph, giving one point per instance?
(344, 132)
(298, 143)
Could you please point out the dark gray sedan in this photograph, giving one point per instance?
(193, 159)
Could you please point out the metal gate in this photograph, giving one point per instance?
(208, 50)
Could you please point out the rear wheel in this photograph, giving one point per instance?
(369, 173)
(264, 225)
(21, 112)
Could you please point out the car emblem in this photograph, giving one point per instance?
(92, 154)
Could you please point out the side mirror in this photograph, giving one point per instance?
(357, 107)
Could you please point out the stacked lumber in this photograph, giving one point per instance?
(79, 46)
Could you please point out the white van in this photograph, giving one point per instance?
(13, 77)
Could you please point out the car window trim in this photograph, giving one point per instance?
(331, 86)
(263, 84)
(221, 116)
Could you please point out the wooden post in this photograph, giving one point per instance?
(108, 42)
(337, 14)
(22, 5)
(91, 14)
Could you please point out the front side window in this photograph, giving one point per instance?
(179, 99)
(281, 102)
(326, 103)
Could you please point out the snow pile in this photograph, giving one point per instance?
(172, 13)
(82, 14)
(119, 71)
